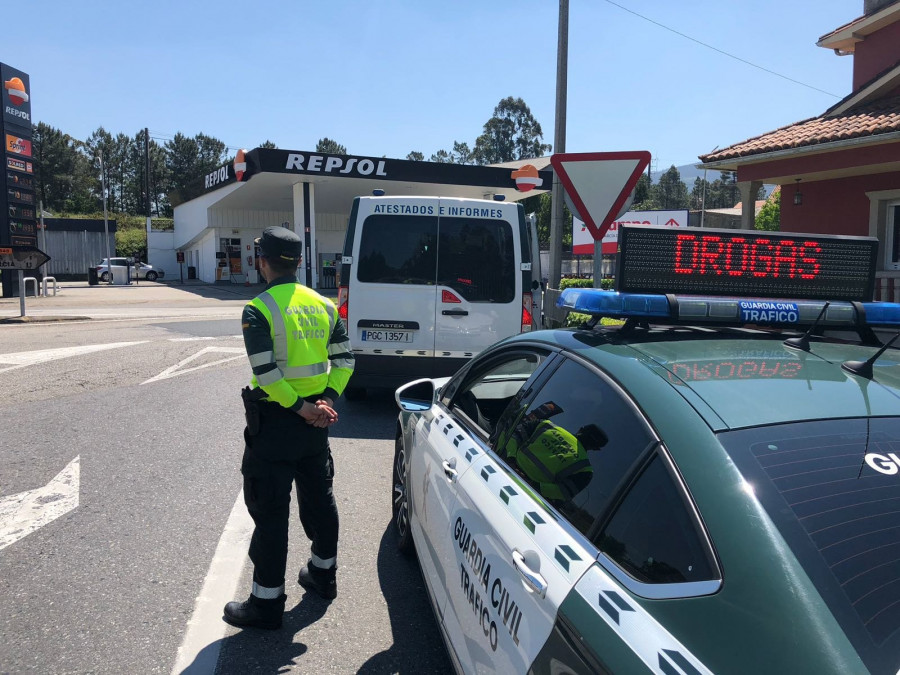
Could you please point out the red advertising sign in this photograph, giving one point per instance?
(18, 146)
(19, 165)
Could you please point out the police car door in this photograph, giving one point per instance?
(393, 295)
(513, 564)
(479, 298)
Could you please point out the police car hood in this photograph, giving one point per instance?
(753, 382)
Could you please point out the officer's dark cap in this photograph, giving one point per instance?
(280, 243)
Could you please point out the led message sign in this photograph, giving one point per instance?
(746, 263)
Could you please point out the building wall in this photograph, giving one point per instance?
(161, 251)
(877, 52)
(191, 217)
(837, 206)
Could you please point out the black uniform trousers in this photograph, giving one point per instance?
(285, 450)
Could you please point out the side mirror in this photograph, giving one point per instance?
(416, 396)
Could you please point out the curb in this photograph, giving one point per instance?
(42, 319)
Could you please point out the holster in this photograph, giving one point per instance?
(251, 398)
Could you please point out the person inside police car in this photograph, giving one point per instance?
(301, 359)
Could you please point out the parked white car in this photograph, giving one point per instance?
(138, 270)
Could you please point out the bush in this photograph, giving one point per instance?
(605, 284)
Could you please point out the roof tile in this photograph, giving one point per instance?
(869, 119)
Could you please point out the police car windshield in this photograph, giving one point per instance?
(832, 487)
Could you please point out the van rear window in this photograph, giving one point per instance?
(476, 258)
(398, 250)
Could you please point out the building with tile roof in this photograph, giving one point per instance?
(840, 171)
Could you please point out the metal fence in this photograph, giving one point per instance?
(72, 252)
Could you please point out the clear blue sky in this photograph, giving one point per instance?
(385, 77)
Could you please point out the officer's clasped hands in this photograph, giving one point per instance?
(320, 414)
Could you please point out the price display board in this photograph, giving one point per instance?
(704, 261)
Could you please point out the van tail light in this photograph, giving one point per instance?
(343, 300)
(527, 318)
(447, 296)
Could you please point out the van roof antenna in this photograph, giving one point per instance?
(864, 368)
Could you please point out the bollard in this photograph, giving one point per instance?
(34, 279)
(44, 285)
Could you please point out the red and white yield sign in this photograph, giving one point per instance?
(599, 183)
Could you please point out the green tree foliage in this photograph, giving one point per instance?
(461, 154)
(61, 171)
(512, 133)
(415, 156)
(131, 242)
(644, 195)
(330, 147)
(268, 145)
(671, 192)
(441, 156)
(769, 216)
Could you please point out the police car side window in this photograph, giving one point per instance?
(575, 443)
(652, 534)
(485, 394)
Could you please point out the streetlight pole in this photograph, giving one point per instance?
(105, 219)
(559, 144)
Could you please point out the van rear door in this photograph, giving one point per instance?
(479, 278)
(391, 307)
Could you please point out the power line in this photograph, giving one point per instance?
(720, 51)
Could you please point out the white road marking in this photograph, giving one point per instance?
(23, 513)
(179, 369)
(199, 652)
(22, 359)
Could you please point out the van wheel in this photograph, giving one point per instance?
(355, 393)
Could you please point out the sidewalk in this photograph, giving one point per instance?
(78, 301)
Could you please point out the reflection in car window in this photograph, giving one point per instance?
(398, 250)
(652, 534)
(575, 443)
(486, 394)
(476, 259)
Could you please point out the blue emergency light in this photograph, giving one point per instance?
(691, 309)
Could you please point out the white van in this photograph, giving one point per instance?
(428, 282)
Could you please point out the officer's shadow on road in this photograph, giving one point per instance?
(257, 651)
(373, 417)
(417, 646)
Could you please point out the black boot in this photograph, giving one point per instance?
(256, 613)
(320, 580)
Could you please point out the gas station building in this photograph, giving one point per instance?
(311, 193)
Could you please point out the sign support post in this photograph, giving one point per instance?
(22, 258)
(21, 293)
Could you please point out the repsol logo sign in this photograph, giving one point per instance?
(216, 177)
(340, 165)
(15, 112)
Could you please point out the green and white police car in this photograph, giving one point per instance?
(711, 486)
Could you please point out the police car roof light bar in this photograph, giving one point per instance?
(733, 311)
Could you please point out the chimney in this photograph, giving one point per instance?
(872, 6)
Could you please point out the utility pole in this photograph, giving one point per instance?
(105, 219)
(559, 144)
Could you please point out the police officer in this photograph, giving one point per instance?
(301, 360)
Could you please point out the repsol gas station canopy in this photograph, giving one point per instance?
(268, 171)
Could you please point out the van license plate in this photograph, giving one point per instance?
(386, 336)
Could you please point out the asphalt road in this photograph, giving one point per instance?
(150, 408)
